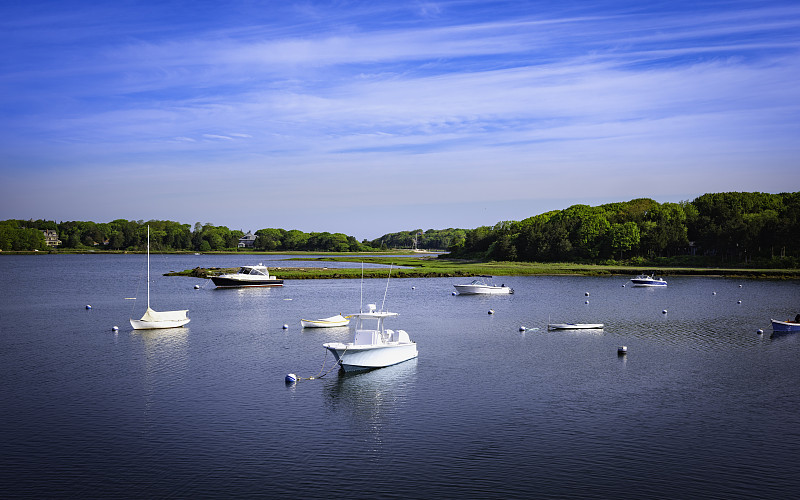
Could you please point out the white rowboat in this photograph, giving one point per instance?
(331, 322)
(575, 326)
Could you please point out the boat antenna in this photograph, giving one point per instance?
(361, 299)
(387, 287)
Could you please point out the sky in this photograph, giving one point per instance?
(374, 117)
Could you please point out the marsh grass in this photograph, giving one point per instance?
(431, 267)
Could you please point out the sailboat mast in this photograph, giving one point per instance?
(148, 267)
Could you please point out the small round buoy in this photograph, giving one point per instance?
(88, 306)
(454, 293)
(740, 286)
(623, 285)
(739, 302)
(586, 302)
(491, 311)
(291, 378)
(197, 287)
(522, 328)
(587, 294)
(623, 349)
(760, 331)
(413, 288)
(114, 328)
(285, 327)
(664, 311)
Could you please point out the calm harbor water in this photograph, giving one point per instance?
(701, 406)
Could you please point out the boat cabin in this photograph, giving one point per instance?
(254, 270)
(370, 330)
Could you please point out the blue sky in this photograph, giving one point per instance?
(380, 116)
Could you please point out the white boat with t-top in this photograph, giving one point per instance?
(373, 346)
(331, 322)
(648, 280)
(247, 276)
(575, 326)
(482, 285)
(157, 319)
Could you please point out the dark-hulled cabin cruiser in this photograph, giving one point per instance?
(247, 276)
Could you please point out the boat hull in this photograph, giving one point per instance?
(482, 289)
(332, 322)
(785, 326)
(226, 282)
(139, 324)
(648, 283)
(575, 326)
(367, 357)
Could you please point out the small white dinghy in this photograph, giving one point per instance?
(575, 326)
(157, 319)
(331, 322)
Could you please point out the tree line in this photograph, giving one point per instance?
(432, 239)
(166, 236)
(714, 228)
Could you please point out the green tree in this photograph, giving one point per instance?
(624, 237)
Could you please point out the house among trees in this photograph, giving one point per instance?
(51, 238)
(247, 241)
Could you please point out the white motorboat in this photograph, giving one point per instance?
(373, 346)
(575, 326)
(331, 322)
(247, 276)
(648, 280)
(482, 285)
(157, 319)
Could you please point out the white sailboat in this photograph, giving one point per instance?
(157, 319)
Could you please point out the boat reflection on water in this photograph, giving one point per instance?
(372, 398)
(164, 350)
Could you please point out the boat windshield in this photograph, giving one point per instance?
(369, 324)
(252, 270)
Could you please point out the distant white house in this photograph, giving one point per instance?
(247, 241)
(51, 238)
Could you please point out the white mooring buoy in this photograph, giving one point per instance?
(285, 327)
(522, 328)
(760, 331)
(491, 311)
(587, 294)
(454, 293)
(197, 287)
(88, 306)
(664, 311)
(739, 302)
(114, 328)
(586, 302)
(623, 349)
(291, 378)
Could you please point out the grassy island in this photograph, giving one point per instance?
(428, 267)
